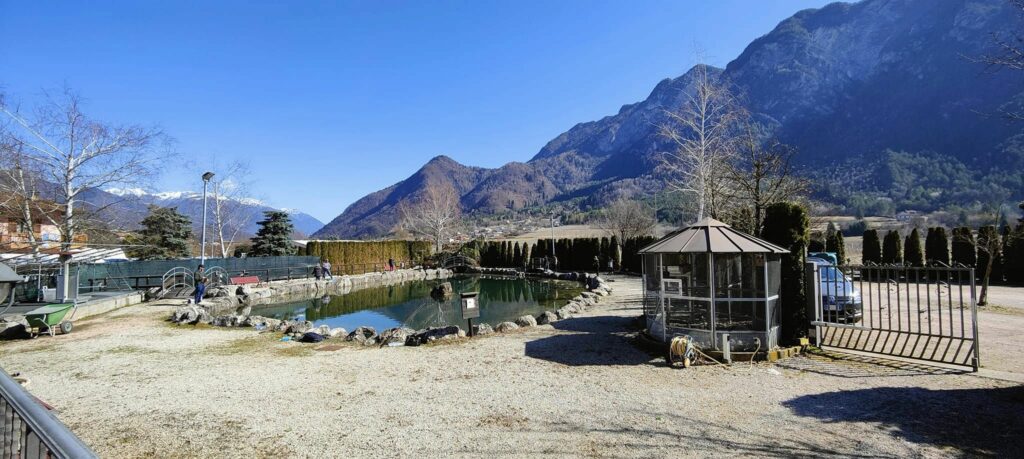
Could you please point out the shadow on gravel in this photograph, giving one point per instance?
(600, 340)
(976, 421)
(844, 365)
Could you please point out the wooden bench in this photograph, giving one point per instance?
(245, 280)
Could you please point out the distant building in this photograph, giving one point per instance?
(15, 231)
(911, 215)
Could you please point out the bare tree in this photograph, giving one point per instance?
(761, 174)
(1009, 54)
(435, 216)
(701, 133)
(75, 153)
(232, 211)
(626, 219)
(17, 182)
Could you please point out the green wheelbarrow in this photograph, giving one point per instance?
(49, 318)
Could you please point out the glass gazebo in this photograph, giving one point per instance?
(709, 280)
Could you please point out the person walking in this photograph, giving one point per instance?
(391, 264)
(200, 279)
(327, 269)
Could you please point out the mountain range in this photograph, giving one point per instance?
(131, 204)
(847, 83)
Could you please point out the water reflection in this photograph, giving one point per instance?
(409, 304)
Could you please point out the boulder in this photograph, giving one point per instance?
(397, 335)
(482, 329)
(14, 326)
(563, 313)
(434, 334)
(337, 333)
(323, 330)
(185, 315)
(299, 327)
(442, 292)
(526, 321)
(588, 295)
(546, 317)
(362, 335)
(505, 327)
(593, 282)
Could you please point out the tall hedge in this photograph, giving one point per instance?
(357, 257)
(892, 249)
(872, 251)
(913, 254)
(787, 225)
(964, 252)
(837, 245)
(936, 246)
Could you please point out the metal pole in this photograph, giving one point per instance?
(553, 254)
(202, 249)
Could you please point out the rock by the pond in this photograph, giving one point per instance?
(299, 327)
(191, 314)
(563, 313)
(434, 334)
(337, 333)
(397, 335)
(588, 295)
(442, 292)
(546, 317)
(482, 329)
(505, 327)
(323, 330)
(362, 335)
(526, 321)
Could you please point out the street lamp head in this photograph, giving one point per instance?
(207, 176)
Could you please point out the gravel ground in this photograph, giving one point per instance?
(131, 386)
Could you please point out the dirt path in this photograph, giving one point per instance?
(131, 385)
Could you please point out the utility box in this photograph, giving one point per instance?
(470, 306)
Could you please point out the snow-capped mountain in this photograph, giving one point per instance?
(131, 204)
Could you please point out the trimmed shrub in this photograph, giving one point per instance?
(837, 245)
(357, 257)
(936, 246)
(787, 225)
(913, 255)
(963, 251)
(892, 249)
(872, 247)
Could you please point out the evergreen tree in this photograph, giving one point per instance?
(616, 253)
(936, 246)
(816, 245)
(872, 251)
(912, 251)
(837, 245)
(164, 235)
(892, 249)
(527, 253)
(274, 238)
(963, 247)
(786, 224)
(517, 256)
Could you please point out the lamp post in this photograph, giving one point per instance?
(553, 254)
(202, 249)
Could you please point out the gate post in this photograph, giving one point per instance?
(974, 326)
(812, 292)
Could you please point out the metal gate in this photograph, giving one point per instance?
(927, 314)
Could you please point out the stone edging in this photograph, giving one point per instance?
(400, 336)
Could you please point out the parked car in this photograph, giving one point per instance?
(840, 300)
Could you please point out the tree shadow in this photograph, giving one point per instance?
(596, 340)
(976, 421)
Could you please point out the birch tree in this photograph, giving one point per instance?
(700, 132)
(76, 153)
(231, 209)
(436, 216)
(18, 182)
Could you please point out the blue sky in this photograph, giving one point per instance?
(330, 101)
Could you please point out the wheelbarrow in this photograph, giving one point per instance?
(49, 318)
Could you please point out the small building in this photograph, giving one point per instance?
(708, 281)
(15, 230)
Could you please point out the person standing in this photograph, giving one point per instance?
(327, 269)
(200, 280)
(391, 264)
(318, 270)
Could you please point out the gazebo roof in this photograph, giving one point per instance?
(711, 236)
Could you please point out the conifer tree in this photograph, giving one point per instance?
(164, 235)
(892, 248)
(517, 256)
(964, 252)
(872, 251)
(936, 246)
(274, 238)
(837, 245)
(913, 254)
(786, 224)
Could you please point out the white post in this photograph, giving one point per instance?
(553, 254)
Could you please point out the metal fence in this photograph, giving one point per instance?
(150, 273)
(921, 313)
(30, 431)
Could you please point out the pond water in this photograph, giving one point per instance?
(410, 305)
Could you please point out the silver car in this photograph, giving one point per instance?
(840, 299)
